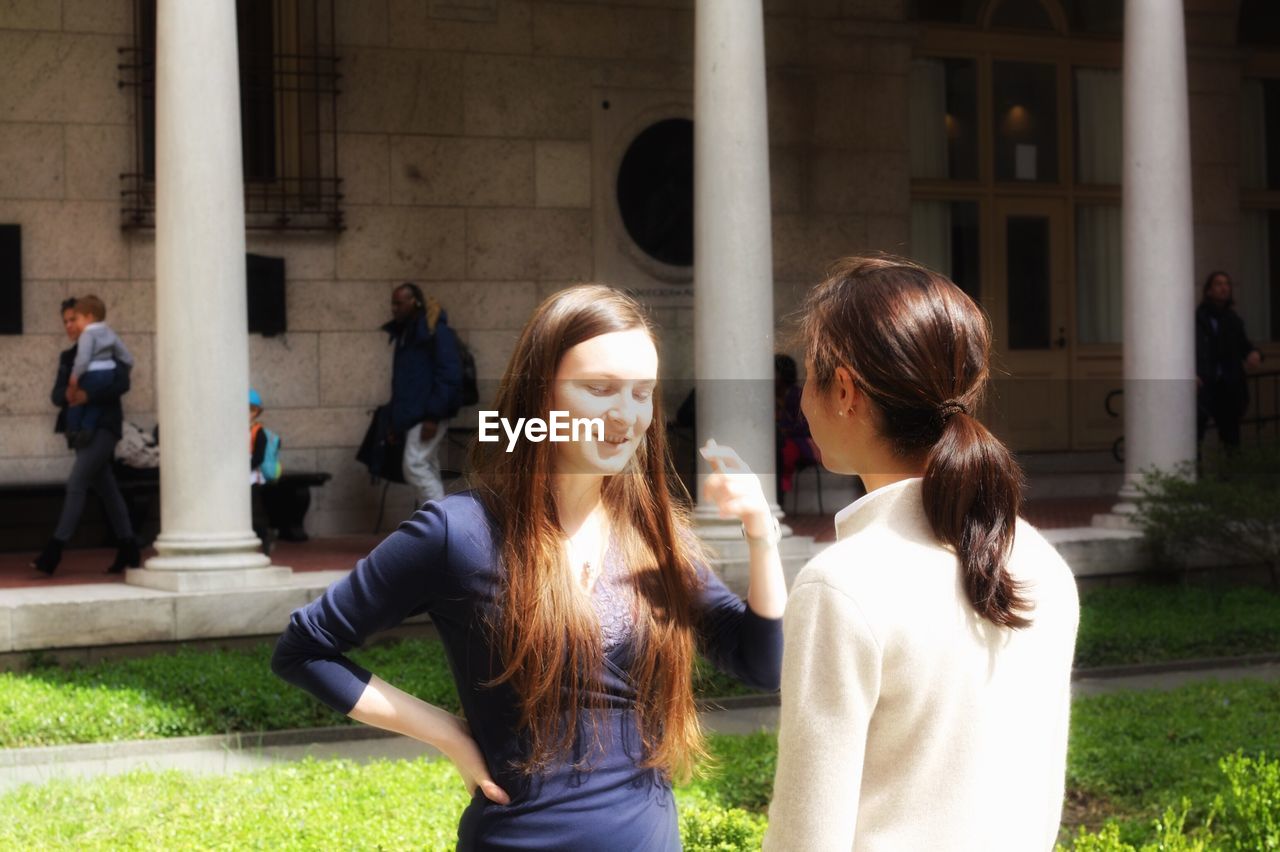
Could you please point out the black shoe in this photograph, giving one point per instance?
(128, 555)
(268, 540)
(47, 561)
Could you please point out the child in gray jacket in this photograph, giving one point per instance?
(99, 353)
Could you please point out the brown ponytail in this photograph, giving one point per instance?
(918, 347)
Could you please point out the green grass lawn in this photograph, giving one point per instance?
(192, 692)
(1147, 624)
(1132, 756)
(336, 805)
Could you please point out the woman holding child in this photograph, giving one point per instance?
(570, 594)
(93, 374)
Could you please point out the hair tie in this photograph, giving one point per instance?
(950, 408)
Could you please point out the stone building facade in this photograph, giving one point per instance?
(478, 143)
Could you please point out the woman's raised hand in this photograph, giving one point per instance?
(736, 491)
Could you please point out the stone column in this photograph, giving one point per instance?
(1159, 271)
(733, 250)
(201, 344)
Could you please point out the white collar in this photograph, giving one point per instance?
(857, 505)
(95, 324)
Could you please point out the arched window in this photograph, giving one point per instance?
(1021, 15)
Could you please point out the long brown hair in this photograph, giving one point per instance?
(919, 348)
(546, 634)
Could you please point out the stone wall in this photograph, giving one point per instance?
(475, 162)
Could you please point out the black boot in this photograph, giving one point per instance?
(264, 535)
(47, 561)
(128, 555)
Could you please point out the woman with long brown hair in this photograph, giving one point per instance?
(570, 595)
(926, 678)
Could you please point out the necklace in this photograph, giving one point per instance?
(591, 564)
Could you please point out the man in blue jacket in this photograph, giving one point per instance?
(426, 383)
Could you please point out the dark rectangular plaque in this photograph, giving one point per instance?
(10, 279)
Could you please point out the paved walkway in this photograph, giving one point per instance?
(218, 755)
(81, 566)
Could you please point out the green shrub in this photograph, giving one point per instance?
(1232, 509)
(1245, 817)
(705, 827)
(740, 773)
(1248, 813)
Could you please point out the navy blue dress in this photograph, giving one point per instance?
(443, 561)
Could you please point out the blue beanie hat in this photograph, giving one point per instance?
(255, 398)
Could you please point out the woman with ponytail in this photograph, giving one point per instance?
(926, 676)
(570, 595)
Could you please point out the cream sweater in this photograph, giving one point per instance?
(908, 722)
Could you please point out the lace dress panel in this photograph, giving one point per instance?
(614, 601)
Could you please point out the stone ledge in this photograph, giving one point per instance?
(96, 614)
(1098, 552)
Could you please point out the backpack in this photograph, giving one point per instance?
(467, 392)
(470, 391)
(271, 467)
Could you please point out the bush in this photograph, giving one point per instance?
(1168, 830)
(1245, 817)
(1232, 510)
(1248, 814)
(705, 827)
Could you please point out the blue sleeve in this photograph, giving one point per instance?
(400, 577)
(446, 379)
(735, 639)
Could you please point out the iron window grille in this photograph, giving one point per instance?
(288, 120)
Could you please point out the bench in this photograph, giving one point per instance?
(286, 502)
(29, 510)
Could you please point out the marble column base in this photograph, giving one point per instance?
(1122, 514)
(208, 563)
(196, 580)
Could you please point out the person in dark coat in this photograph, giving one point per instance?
(1223, 355)
(426, 386)
(93, 462)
